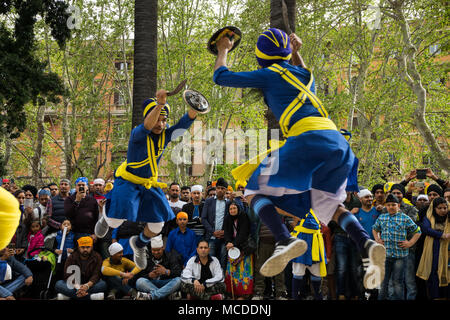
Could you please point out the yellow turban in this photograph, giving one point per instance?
(182, 214)
(108, 187)
(85, 242)
(9, 217)
(240, 183)
(387, 186)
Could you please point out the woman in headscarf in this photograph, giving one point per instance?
(433, 266)
(239, 272)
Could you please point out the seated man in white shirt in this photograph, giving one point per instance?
(202, 278)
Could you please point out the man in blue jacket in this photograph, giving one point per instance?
(182, 239)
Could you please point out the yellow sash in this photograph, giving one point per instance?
(151, 160)
(305, 92)
(318, 245)
(242, 173)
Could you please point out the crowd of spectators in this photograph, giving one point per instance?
(216, 244)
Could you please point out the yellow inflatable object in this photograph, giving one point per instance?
(387, 186)
(108, 187)
(240, 183)
(9, 217)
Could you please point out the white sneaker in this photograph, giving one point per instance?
(61, 296)
(257, 297)
(285, 251)
(101, 228)
(143, 296)
(175, 296)
(373, 261)
(97, 296)
(139, 254)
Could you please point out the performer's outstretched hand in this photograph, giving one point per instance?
(161, 96)
(296, 42)
(223, 44)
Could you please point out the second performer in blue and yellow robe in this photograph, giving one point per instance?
(137, 193)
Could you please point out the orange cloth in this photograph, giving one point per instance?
(85, 242)
(182, 214)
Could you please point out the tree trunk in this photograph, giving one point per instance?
(4, 158)
(36, 160)
(145, 55)
(277, 21)
(409, 72)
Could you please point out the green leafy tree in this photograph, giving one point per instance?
(23, 76)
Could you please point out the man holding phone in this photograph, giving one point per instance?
(82, 210)
(420, 174)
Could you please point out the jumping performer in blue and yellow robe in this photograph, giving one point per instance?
(137, 194)
(311, 168)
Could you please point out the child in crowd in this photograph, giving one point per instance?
(314, 259)
(68, 242)
(394, 228)
(35, 239)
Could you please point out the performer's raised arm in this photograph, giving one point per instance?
(223, 46)
(296, 44)
(152, 118)
(192, 114)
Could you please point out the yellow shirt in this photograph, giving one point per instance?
(111, 270)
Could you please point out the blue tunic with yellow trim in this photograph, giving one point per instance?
(307, 258)
(134, 202)
(319, 159)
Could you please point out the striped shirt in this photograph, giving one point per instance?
(395, 228)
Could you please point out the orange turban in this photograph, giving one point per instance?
(85, 242)
(182, 214)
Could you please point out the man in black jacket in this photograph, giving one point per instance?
(194, 211)
(162, 276)
(213, 214)
(82, 210)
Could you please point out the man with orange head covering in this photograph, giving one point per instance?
(82, 274)
(182, 239)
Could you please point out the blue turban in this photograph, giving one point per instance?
(44, 192)
(149, 104)
(82, 179)
(272, 46)
(310, 222)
